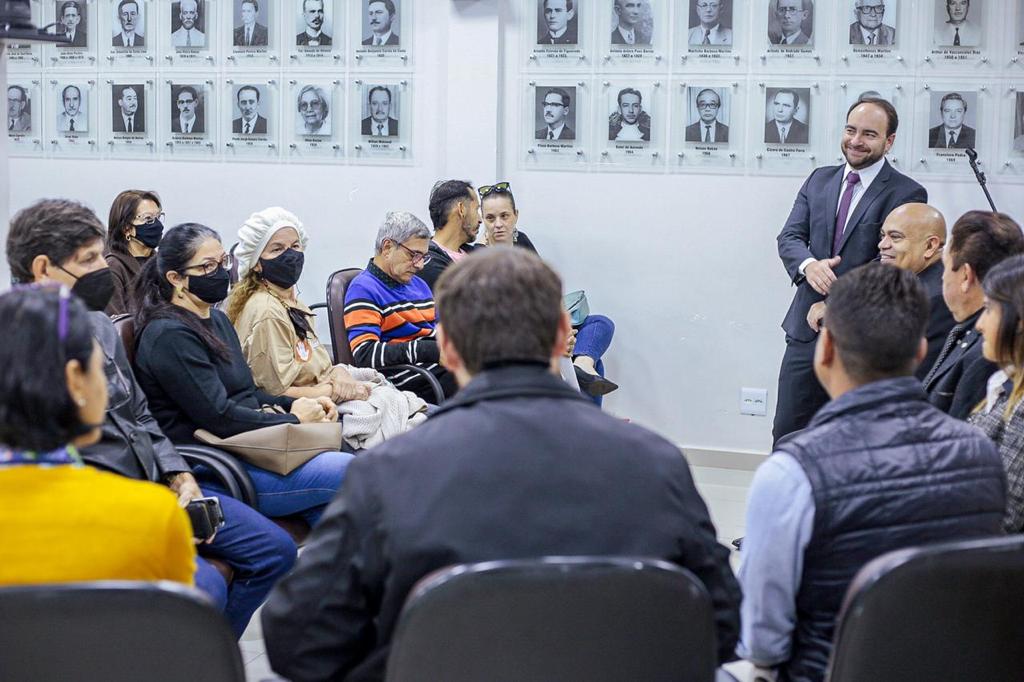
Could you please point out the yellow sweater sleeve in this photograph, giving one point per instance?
(180, 550)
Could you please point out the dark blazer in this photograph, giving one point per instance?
(439, 262)
(959, 380)
(79, 40)
(259, 128)
(566, 134)
(140, 40)
(797, 132)
(393, 39)
(940, 320)
(776, 38)
(886, 35)
(811, 225)
(937, 138)
(517, 464)
(303, 39)
(259, 36)
(567, 38)
(139, 125)
(695, 132)
(641, 39)
(197, 127)
(392, 126)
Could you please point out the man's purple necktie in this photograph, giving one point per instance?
(852, 180)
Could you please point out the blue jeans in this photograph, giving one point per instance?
(258, 551)
(306, 491)
(592, 339)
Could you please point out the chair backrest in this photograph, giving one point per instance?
(125, 326)
(337, 284)
(556, 618)
(938, 613)
(116, 632)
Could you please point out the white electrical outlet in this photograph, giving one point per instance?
(754, 401)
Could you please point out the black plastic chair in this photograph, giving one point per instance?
(592, 619)
(941, 613)
(337, 284)
(115, 632)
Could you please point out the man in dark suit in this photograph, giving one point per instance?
(790, 16)
(129, 115)
(869, 29)
(71, 13)
(381, 15)
(128, 15)
(251, 33)
(555, 109)
(708, 128)
(958, 380)
(187, 120)
(489, 476)
(559, 23)
(784, 128)
(313, 36)
(833, 228)
(379, 123)
(952, 133)
(250, 122)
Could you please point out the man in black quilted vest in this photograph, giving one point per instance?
(877, 469)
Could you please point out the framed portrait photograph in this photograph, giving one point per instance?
(557, 22)
(707, 115)
(381, 110)
(787, 114)
(953, 122)
(73, 21)
(128, 108)
(957, 23)
(251, 24)
(128, 28)
(314, 112)
(72, 108)
(314, 24)
(874, 23)
(19, 110)
(628, 120)
(381, 23)
(633, 22)
(188, 110)
(710, 23)
(188, 24)
(791, 23)
(251, 109)
(555, 114)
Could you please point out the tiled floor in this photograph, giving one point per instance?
(724, 490)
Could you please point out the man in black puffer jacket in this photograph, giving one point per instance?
(877, 469)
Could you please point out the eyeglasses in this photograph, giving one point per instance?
(873, 9)
(500, 188)
(149, 219)
(417, 257)
(209, 267)
(315, 104)
(707, 5)
(186, 101)
(708, 105)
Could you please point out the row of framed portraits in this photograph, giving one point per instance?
(129, 34)
(783, 125)
(773, 35)
(192, 116)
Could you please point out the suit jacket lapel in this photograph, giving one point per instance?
(870, 196)
(832, 202)
(950, 360)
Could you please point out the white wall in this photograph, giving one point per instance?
(686, 265)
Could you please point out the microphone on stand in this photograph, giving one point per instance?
(972, 158)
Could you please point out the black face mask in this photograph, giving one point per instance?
(284, 271)
(150, 233)
(212, 288)
(94, 288)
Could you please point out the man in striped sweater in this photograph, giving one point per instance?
(389, 311)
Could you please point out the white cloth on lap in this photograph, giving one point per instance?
(387, 413)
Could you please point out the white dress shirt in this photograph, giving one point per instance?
(81, 122)
(628, 36)
(630, 132)
(554, 133)
(379, 129)
(383, 40)
(186, 125)
(129, 123)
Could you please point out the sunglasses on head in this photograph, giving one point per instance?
(491, 189)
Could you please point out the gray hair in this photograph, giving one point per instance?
(398, 226)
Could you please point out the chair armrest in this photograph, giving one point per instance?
(435, 385)
(228, 469)
(316, 306)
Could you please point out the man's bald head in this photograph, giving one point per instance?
(912, 237)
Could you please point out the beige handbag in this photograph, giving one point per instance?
(281, 448)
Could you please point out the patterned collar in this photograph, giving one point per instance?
(384, 277)
(65, 455)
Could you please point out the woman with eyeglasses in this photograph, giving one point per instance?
(594, 335)
(1001, 415)
(63, 521)
(190, 365)
(134, 229)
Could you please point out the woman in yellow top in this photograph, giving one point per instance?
(61, 521)
(273, 325)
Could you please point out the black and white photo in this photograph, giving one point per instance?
(710, 22)
(791, 23)
(632, 22)
(187, 24)
(557, 23)
(314, 111)
(629, 121)
(129, 23)
(73, 109)
(19, 109)
(787, 115)
(874, 22)
(555, 116)
(188, 115)
(314, 24)
(1018, 124)
(952, 120)
(128, 108)
(707, 115)
(957, 23)
(248, 110)
(380, 23)
(72, 21)
(380, 112)
(250, 22)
